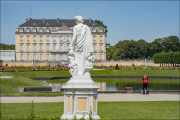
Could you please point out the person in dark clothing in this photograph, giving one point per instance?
(145, 84)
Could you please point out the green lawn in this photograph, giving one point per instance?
(112, 110)
(13, 84)
(96, 73)
(44, 94)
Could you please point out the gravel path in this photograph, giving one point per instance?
(5, 77)
(101, 97)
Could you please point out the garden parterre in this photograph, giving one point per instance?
(59, 68)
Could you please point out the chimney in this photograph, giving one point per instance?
(43, 20)
(89, 20)
(57, 20)
(27, 20)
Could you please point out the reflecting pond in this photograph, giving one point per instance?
(115, 85)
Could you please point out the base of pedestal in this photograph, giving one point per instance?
(70, 117)
(80, 99)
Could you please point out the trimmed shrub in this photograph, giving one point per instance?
(117, 67)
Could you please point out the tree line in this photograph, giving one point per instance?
(7, 46)
(141, 49)
(167, 58)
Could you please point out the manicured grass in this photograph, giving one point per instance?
(122, 80)
(32, 94)
(96, 73)
(13, 84)
(135, 72)
(113, 110)
(38, 73)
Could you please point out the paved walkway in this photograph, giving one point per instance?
(5, 77)
(101, 97)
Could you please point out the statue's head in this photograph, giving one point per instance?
(79, 19)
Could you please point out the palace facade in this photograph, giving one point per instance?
(48, 39)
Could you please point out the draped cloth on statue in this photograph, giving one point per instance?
(83, 49)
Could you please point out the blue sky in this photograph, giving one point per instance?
(125, 20)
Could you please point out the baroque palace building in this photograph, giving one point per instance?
(48, 39)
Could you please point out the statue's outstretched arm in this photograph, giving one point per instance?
(74, 37)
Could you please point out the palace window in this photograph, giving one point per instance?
(101, 46)
(47, 29)
(34, 29)
(65, 56)
(61, 47)
(67, 47)
(61, 56)
(27, 29)
(94, 47)
(28, 47)
(101, 38)
(41, 47)
(54, 29)
(61, 38)
(67, 38)
(47, 56)
(54, 47)
(41, 57)
(47, 47)
(21, 29)
(47, 38)
(40, 29)
(34, 47)
(54, 38)
(94, 38)
(21, 56)
(21, 47)
(34, 56)
(21, 38)
(28, 57)
(34, 38)
(101, 56)
(28, 38)
(54, 56)
(41, 38)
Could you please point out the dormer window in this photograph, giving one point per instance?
(27, 29)
(34, 29)
(94, 29)
(100, 29)
(54, 29)
(47, 24)
(40, 29)
(34, 24)
(47, 29)
(21, 29)
(93, 24)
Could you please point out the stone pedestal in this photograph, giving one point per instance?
(80, 96)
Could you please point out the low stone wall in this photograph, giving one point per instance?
(37, 89)
(68, 77)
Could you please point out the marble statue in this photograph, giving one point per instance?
(80, 92)
(81, 49)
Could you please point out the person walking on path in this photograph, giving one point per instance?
(145, 84)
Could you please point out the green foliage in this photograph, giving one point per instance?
(163, 57)
(176, 57)
(101, 23)
(117, 67)
(32, 115)
(142, 49)
(74, 118)
(7, 46)
(90, 114)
